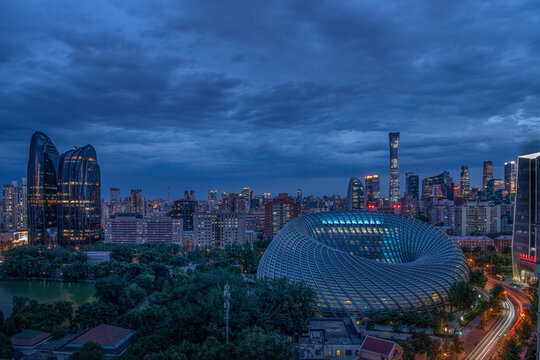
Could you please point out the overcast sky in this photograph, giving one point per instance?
(274, 95)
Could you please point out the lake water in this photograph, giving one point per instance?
(43, 292)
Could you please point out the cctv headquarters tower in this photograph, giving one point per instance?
(395, 193)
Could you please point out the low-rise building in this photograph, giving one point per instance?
(473, 242)
(28, 340)
(113, 340)
(330, 338)
(378, 349)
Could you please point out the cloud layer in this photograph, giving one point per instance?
(274, 96)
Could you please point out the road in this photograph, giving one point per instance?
(505, 326)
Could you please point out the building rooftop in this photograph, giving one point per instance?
(29, 338)
(104, 335)
(378, 346)
(334, 331)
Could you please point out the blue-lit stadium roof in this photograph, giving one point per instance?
(364, 261)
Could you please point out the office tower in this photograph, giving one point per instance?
(184, 209)
(234, 203)
(42, 189)
(115, 196)
(277, 213)
(212, 195)
(192, 195)
(443, 180)
(373, 188)
(527, 220)
(487, 174)
(224, 194)
(355, 194)
(299, 193)
(137, 202)
(246, 195)
(267, 196)
(510, 177)
(465, 181)
(79, 197)
(412, 189)
(218, 229)
(395, 192)
(494, 186)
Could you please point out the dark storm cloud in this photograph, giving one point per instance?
(271, 95)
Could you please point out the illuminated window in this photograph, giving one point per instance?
(338, 352)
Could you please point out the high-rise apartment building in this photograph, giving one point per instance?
(42, 189)
(355, 194)
(510, 177)
(395, 192)
(13, 206)
(487, 174)
(527, 217)
(218, 229)
(412, 184)
(79, 197)
(134, 229)
(465, 182)
(477, 219)
(277, 213)
(373, 188)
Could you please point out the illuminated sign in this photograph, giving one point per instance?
(527, 257)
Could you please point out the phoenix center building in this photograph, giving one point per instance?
(361, 262)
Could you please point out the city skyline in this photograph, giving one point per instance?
(211, 101)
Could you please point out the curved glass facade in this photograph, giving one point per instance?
(79, 197)
(364, 261)
(42, 189)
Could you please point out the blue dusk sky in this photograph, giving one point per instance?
(274, 95)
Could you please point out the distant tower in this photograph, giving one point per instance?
(395, 192)
(355, 194)
(114, 195)
(487, 174)
(465, 181)
(169, 190)
(412, 185)
(212, 195)
(510, 176)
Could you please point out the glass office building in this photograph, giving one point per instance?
(79, 197)
(365, 261)
(526, 218)
(355, 194)
(42, 189)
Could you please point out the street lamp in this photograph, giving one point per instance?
(226, 307)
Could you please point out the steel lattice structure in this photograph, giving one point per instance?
(365, 261)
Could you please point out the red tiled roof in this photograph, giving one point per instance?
(104, 335)
(377, 346)
(29, 338)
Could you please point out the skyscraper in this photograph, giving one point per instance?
(355, 194)
(212, 195)
(527, 217)
(79, 197)
(465, 181)
(487, 174)
(443, 180)
(42, 189)
(510, 177)
(137, 202)
(395, 192)
(412, 185)
(184, 209)
(373, 187)
(114, 195)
